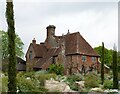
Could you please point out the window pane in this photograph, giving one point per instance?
(93, 59)
(83, 58)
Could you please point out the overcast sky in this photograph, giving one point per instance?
(97, 22)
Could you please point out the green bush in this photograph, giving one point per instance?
(73, 78)
(28, 85)
(41, 72)
(32, 81)
(56, 68)
(91, 80)
(80, 76)
(44, 77)
(71, 81)
(108, 84)
(118, 76)
(4, 83)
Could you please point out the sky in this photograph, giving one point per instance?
(96, 21)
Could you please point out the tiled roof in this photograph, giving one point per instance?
(76, 44)
(39, 50)
(49, 54)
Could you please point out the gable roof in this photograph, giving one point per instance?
(39, 49)
(76, 44)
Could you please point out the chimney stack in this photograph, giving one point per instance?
(34, 41)
(50, 31)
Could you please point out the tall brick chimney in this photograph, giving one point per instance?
(50, 40)
(50, 31)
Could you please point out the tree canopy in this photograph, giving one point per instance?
(18, 45)
(107, 55)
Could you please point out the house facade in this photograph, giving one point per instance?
(71, 50)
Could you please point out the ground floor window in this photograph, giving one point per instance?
(84, 59)
(93, 59)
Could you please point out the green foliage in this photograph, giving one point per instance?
(11, 48)
(18, 45)
(80, 76)
(118, 62)
(33, 81)
(115, 69)
(108, 84)
(119, 76)
(107, 55)
(29, 82)
(91, 80)
(41, 72)
(29, 85)
(4, 83)
(102, 64)
(73, 78)
(71, 81)
(56, 68)
(44, 77)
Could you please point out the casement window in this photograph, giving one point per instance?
(30, 55)
(93, 59)
(84, 58)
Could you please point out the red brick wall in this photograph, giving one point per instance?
(76, 62)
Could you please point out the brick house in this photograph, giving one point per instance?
(71, 50)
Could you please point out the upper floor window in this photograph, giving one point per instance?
(30, 55)
(93, 59)
(84, 58)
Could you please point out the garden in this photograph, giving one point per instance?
(44, 81)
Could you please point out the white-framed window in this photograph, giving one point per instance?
(93, 59)
(84, 58)
(30, 55)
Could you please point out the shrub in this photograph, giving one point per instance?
(29, 85)
(80, 76)
(56, 68)
(118, 76)
(108, 84)
(91, 80)
(4, 81)
(73, 78)
(71, 81)
(44, 77)
(41, 72)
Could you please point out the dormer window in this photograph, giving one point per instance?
(30, 55)
(84, 58)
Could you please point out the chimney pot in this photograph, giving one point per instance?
(34, 41)
(50, 26)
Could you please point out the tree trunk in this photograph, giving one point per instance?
(11, 48)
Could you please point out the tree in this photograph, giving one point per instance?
(102, 64)
(11, 48)
(18, 45)
(118, 62)
(107, 55)
(115, 69)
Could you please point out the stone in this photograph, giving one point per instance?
(96, 90)
(81, 85)
(53, 86)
